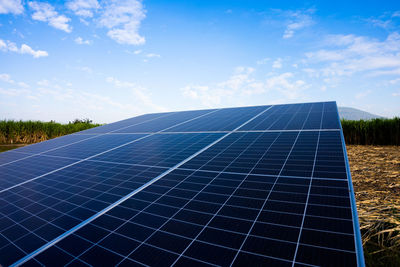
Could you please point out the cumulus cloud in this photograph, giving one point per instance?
(243, 84)
(83, 8)
(284, 83)
(7, 46)
(46, 13)
(80, 41)
(11, 6)
(349, 54)
(123, 19)
(26, 49)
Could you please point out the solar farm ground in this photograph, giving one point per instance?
(375, 173)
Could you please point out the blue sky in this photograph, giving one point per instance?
(110, 60)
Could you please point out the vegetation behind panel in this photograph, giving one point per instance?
(372, 132)
(27, 132)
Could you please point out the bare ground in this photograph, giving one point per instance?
(376, 178)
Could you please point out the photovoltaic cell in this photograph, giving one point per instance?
(163, 150)
(93, 146)
(53, 144)
(10, 156)
(232, 117)
(112, 127)
(272, 188)
(165, 122)
(23, 170)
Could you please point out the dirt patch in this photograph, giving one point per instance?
(375, 172)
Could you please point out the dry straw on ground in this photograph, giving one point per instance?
(376, 178)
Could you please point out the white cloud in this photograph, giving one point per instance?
(242, 84)
(152, 55)
(4, 77)
(85, 69)
(24, 85)
(83, 8)
(394, 81)
(298, 20)
(43, 83)
(277, 64)
(46, 13)
(283, 83)
(137, 52)
(349, 54)
(8, 46)
(123, 19)
(140, 93)
(15, 92)
(262, 61)
(80, 41)
(26, 49)
(363, 94)
(11, 6)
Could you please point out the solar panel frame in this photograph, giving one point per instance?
(334, 183)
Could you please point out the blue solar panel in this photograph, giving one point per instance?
(166, 122)
(66, 140)
(112, 127)
(265, 185)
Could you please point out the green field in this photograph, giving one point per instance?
(28, 132)
(372, 132)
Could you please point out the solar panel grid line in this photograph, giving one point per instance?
(251, 198)
(39, 250)
(265, 201)
(100, 153)
(138, 214)
(275, 121)
(324, 192)
(72, 164)
(230, 217)
(250, 208)
(5, 237)
(54, 219)
(270, 175)
(32, 155)
(64, 200)
(213, 215)
(308, 193)
(201, 241)
(146, 165)
(96, 135)
(180, 208)
(238, 131)
(210, 202)
(356, 225)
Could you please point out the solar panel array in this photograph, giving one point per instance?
(265, 185)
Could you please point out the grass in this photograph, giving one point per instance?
(27, 132)
(372, 132)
